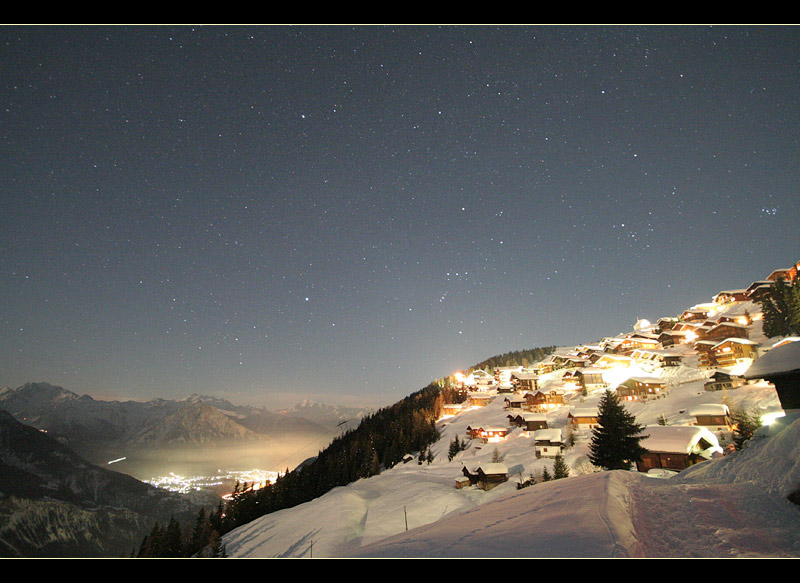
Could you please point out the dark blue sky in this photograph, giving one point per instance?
(273, 213)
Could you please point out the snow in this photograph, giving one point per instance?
(783, 359)
(677, 438)
(734, 506)
(710, 409)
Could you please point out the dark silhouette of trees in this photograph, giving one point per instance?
(780, 307)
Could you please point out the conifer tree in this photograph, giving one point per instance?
(615, 443)
(560, 468)
(746, 425)
(780, 308)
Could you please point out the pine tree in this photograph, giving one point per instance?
(546, 475)
(615, 442)
(560, 468)
(780, 308)
(746, 425)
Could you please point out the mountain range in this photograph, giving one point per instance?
(96, 428)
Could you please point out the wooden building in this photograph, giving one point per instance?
(583, 419)
(525, 381)
(676, 447)
(637, 388)
(722, 381)
(730, 295)
(547, 442)
(722, 330)
(705, 356)
(486, 476)
(733, 351)
(590, 379)
(713, 416)
(529, 421)
(544, 400)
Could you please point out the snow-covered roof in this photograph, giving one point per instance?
(534, 416)
(677, 438)
(652, 380)
(737, 341)
(709, 409)
(590, 370)
(493, 468)
(553, 435)
(584, 412)
(781, 360)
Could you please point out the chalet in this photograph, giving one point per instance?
(478, 399)
(636, 388)
(474, 432)
(664, 324)
(533, 421)
(502, 374)
(613, 361)
(758, 289)
(705, 356)
(669, 338)
(676, 447)
(635, 341)
(568, 361)
(789, 274)
(733, 351)
(694, 330)
(525, 381)
(452, 408)
(544, 400)
(482, 378)
(486, 476)
(721, 381)
(657, 357)
(582, 419)
(695, 313)
(730, 295)
(515, 402)
(493, 434)
(611, 344)
(726, 330)
(546, 366)
(781, 367)
(713, 416)
(547, 442)
(569, 379)
(590, 379)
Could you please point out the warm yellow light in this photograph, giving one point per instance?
(691, 336)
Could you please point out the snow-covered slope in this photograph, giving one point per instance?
(733, 506)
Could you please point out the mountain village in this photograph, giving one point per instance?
(710, 345)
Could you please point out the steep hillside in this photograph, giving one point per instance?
(55, 503)
(732, 505)
(600, 514)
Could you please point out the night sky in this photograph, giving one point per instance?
(269, 214)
